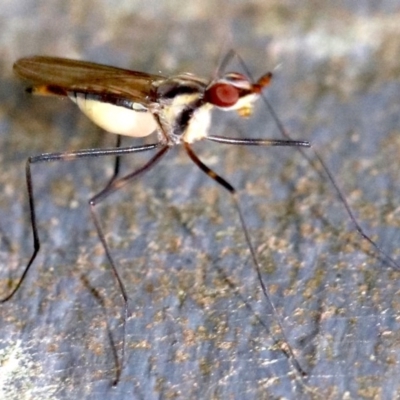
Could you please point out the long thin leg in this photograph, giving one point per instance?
(258, 142)
(381, 253)
(117, 164)
(114, 185)
(287, 350)
(386, 258)
(66, 156)
(224, 63)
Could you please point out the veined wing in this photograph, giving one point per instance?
(60, 76)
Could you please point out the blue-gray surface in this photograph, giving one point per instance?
(198, 324)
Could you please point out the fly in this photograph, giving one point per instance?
(177, 110)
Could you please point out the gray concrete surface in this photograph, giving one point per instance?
(198, 325)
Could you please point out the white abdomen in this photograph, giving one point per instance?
(136, 122)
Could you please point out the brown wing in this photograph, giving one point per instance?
(52, 75)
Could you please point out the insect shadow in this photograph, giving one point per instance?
(177, 111)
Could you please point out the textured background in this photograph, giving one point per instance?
(198, 324)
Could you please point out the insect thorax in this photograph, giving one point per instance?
(183, 113)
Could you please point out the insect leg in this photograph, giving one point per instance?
(66, 156)
(114, 185)
(286, 349)
(385, 257)
(258, 142)
(117, 163)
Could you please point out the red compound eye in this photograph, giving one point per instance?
(222, 95)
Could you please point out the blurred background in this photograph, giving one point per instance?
(198, 324)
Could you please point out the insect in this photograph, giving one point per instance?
(177, 111)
